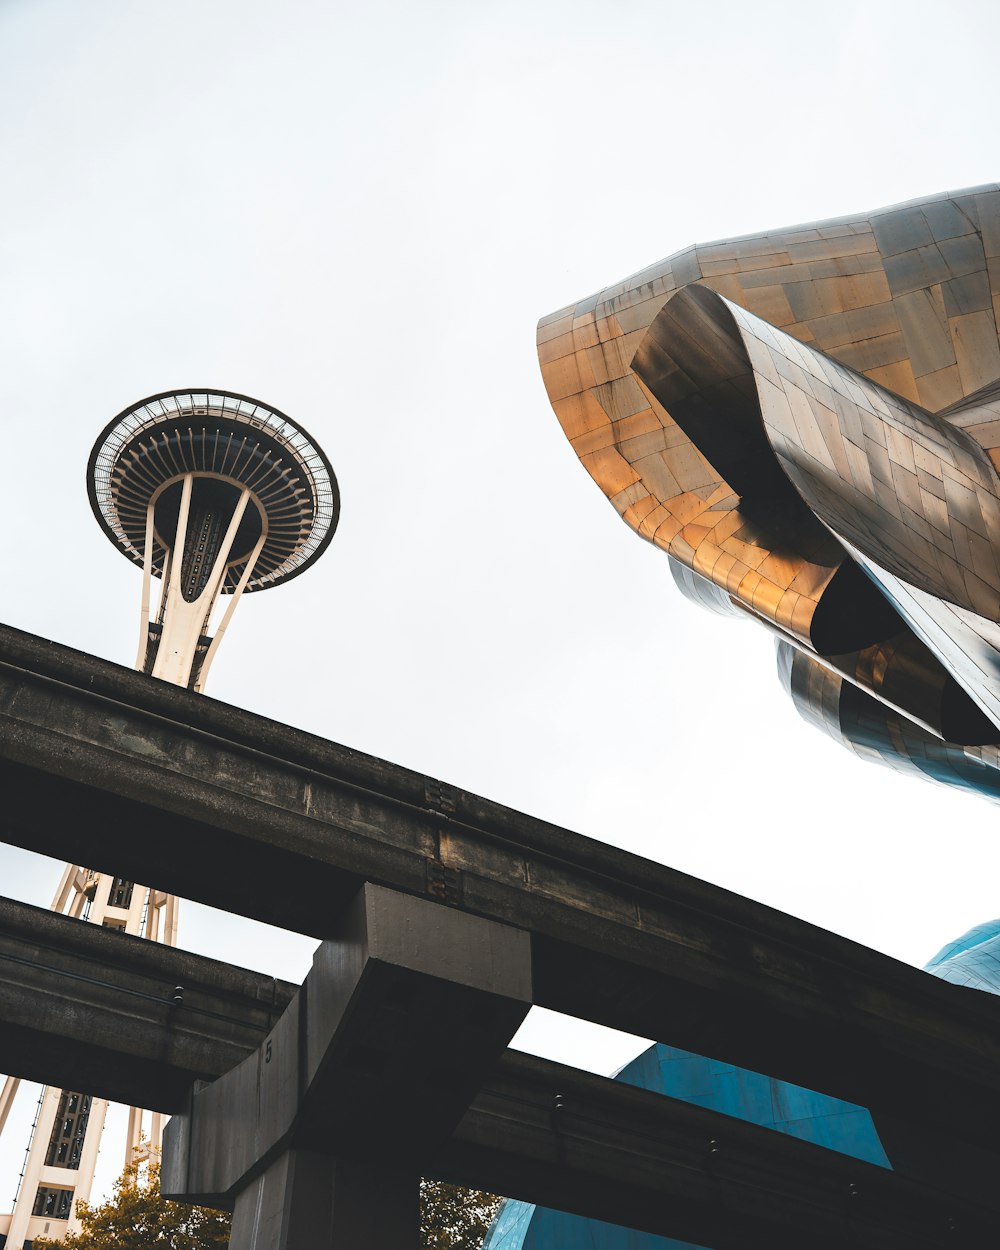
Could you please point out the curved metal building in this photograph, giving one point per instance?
(807, 423)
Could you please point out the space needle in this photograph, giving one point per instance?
(213, 495)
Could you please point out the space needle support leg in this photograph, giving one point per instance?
(170, 921)
(231, 606)
(59, 899)
(221, 560)
(180, 534)
(10, 1086)
(147, 578)
(133, 1135)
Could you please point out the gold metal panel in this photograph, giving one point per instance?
(964, 255)
(988, 207)
(636, 513)
(772, 304)
(657, 476)
(621, 397)
(967, 294)
(875, 353)
(610, 469)
(595, 440)
(831, 248)
(568, 376)
(901, 231)
(940, 389)
(845, 266)
(897, 377)
(975, 338)
(911, 271)
(580, 412)
(557, 323)
(644, 446)
(638, 423)
(924, 324)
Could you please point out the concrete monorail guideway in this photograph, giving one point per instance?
(392, 1060)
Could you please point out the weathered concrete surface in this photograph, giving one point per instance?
(86, 1008)
(563, 1138)
(257, 818)
(378, 1056)
(308, 1201)
(534, 1129)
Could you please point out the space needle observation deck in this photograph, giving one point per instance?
(216, 494)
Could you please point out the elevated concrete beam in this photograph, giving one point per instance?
(120, 1017)
(261, 819)
(534, 1129)
(594, 1147)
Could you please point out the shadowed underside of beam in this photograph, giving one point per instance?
(90, 751)
(130, 1020)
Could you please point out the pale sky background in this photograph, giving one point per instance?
(357, 213)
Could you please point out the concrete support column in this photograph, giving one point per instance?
(407, 1010)
(310, 1201)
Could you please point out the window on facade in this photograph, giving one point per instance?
(53, 1202)
(121, 893)
(68, 1131)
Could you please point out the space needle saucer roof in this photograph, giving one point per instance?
(143, 455)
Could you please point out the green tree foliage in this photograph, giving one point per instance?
(136, 1217)
(452, 1218)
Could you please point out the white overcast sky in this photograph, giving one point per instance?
(357, 213)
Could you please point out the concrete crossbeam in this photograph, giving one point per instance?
(403, 1016)
(265, 820)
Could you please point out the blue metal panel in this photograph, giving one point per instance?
(973, 960)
